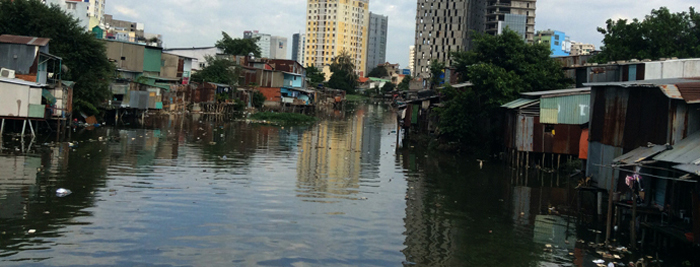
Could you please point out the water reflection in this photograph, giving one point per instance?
(206, 191)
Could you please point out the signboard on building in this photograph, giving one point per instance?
(406, 72)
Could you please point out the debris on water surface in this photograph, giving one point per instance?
(62, 192)
(31, 231)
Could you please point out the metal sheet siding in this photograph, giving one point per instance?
(690, 92)
(646, 118)
(524, 134)
(573, 109)
(600, 157)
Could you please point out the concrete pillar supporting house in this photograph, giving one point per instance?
(24, 127)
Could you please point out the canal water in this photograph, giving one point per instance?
(206, 191)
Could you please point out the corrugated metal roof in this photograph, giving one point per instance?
(519, 103)
(690, 92)
(22, 82)
(640, 154)
(645, 83)
(300, 90)
(26, 40)
(686, 151)
(691, 168)
(553, 93)
(569, 109)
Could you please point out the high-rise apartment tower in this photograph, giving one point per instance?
(333, 26)
(376, 40)
(443, 27)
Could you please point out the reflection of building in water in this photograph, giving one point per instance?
(330, 155)
(19, 176)
(372, 141)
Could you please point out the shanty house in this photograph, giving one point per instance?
(546, 123)
(628, 115)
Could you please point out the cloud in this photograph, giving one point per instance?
(127, 12)
(188, 23)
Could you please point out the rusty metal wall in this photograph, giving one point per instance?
(524, 135)
(646, 120)
(685, 120)
(608, 113)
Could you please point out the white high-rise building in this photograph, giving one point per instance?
(412, 59)
(75, 8)
(278, 47)
(299, 48)
(263, 41)
(96, 12)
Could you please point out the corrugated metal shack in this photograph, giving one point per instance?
(546, 124)
(579, 69)
(627, 115)
(670, 184)
(416, 112)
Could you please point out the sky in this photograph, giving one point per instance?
(196, 23)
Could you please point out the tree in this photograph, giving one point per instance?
(405, 83)
(314, 75)
(499, 67)
(531, 62)
(437, 72)
(83, 55)
(661, 34)
(258, 99)
(238, 46)
(378, 72)
(218, 70)
(388, 87)
(344, 76)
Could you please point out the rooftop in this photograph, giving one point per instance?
(25, 40)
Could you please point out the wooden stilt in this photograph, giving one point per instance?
(31, 128)
(633, 223)
(2, 127)
(527, 160)
(542, 163)
(518, 160)
(558, 161)
(24, 127)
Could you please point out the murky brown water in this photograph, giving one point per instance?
(205, 192)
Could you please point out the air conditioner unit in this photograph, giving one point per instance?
(7, 73)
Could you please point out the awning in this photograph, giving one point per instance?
(640, 154)
(691, 168)
(48, 96)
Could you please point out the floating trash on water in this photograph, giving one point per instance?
(62, 192)
(598, 261)
(31, 231)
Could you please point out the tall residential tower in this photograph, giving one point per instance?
(443, 27)
(376, 41)
(333, 26)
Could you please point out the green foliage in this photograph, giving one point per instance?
(218, 70)
(238, 46)
(388, 87)
(258, 99)
(344, 76)
(437, 69)
(287, 118)
(405, 83)
(531, 62)
(238, 105)
(315, 76)
(499, 67)
(661, 34)
(378, 72)
(83, 54)
(355, 98)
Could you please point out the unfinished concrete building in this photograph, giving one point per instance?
(445, 26)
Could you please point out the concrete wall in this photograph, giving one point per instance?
(683, 68)
(169, 66)
(199, 53)
(127, 56)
